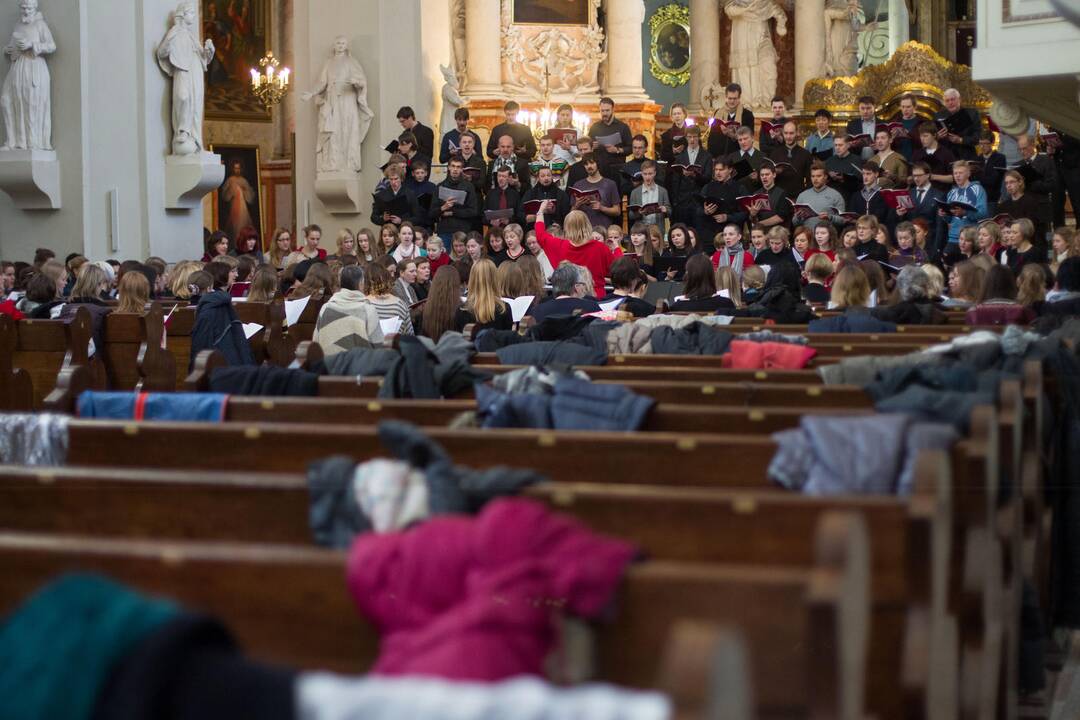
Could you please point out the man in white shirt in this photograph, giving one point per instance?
(647, 193)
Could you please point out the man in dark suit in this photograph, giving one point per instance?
(744, 136)
(722, 140)
(425, 136)
(989, 169)
(868, 200)
(451, 140)
(1065, 151)
(718, 206)
(924, 195)
(687, 183)
(767, 141)
(793, 179)
(524, 144)
(963, 126)
(1040, 178)
(865, 124)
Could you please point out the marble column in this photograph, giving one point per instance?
(899, 24)
(809, 44)
(482, 41)
(624, 23)
(704, 49)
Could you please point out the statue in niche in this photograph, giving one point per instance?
(184, 59)
(451, 97)
(752, 58)
(25, 102)
(344, 115)
(457, 39)
(843, 21)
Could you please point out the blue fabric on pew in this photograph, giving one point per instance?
(550, 353)
(190, 407)
(850, 322)
(573, 404)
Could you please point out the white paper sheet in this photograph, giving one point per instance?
(390, 326)
(611, 304)
(613, 139)
(518, 306)
(250, 329)
(294, 309)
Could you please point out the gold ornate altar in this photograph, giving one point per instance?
(914, 69)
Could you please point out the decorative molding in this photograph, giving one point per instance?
(675, 17)
(549, 61)
(31, 178)
(1045, 11)
(914, 68)
(190, 178)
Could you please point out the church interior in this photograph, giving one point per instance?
(552, 359)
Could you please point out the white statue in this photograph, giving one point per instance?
(843, 21)
(344, 115)
(451, 99)
(457, 39)
(24, 101)
(184, 59)
(753, 57)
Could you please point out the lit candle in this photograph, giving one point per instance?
(255, 78)
(285, 77)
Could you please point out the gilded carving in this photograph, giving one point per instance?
(543, 60)
(669, 45)
(914, 68)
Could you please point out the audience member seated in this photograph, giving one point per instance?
(1064, 299)
(440, 311)
(1020, 249)
(850, 290)
(216, 325)
(699, 292)
(1033, 283)
(997, 302)
(484, 307)
(347, 320)
(379, 288)
(729, 250)
(965, 285)
(915, 304)
(629, 282)
(133, 293)
(568, 289)
(817, 272)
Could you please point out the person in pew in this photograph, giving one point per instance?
(281, 247)
(817, 274)
(40, 297)
(403, 288)
(216, 325)
(318, 282)
(484, 308)
(379, 288)
(264, 285)
(880, 290)
(200, 283)
(630, 282)
(1033, 283)
(753, 284)
(1064, 245)
(1064, 299)
(347, 320)
(440, 312)
(217, 245)
(997, 302)
(729, 249)
(134, 294)
(850, 290)
(915, 305)
(568, 290)
(699, 291)
(1021, 250)
(965, 285)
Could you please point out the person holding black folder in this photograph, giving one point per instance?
(673, 140)
(689, 173)
(864, 125)
(844, 167)
(958, 127)
(1040, 179)
(545, 189)
(745, 161)
(780, 209)
(938, 157)
(394, 203)
(502, 202)
(455, 205)
(718, 206)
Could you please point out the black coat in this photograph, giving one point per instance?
(720, 144)
(551, 192)
(425, 139)
(876, 206)
(217, 327)
(723, 195)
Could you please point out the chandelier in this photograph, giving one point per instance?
(270, 85)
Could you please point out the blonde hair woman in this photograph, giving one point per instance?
(1064, 245)
(346, 244)
(264, 285)
(365, 245)
(850, 289)
(178, 280)
(133, 293)
(281, 247)
(484, 307)
(727, 279)
(577, 245)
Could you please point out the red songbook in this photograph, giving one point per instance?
(896, 129)
(560, 134)
(696, 169)
(861, 139)
(532, 206)
(1003, 219)
(773, 129)
(587, 195)
(802, 211)
(239, 289)
(648, 209)
(473, 172)
(759, 201)
(898, 198)
(725, 124)
(846, 216)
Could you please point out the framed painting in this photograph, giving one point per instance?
(552, 12)
(241, 32)
(238, 202)
(669, 45)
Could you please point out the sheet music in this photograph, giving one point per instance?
(390, 325)
(251, 329)
(294, 309)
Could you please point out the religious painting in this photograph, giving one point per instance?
(238, 202)
(241, 33)
(669, 45)
(552, 12)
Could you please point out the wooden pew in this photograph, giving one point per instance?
(178, 340)
(43, 347)
(304, 328)
(268, 345)
(807, 627)
(133, 356)
(16, 389)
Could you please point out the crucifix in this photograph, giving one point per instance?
(710, 98)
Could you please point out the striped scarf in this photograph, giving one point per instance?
(735, 264)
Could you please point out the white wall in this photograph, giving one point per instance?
(111, 131)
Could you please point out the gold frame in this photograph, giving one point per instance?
(591, 19)
(664, 16)
(216, 201)
(267, 116)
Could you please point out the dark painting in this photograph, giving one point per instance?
(240, 30)
(551, 12)
(238, 202)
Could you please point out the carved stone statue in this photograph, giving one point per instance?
(539, 60)
(184, 59)
(344, 115)
(457, 39)
(25, 102)
(753, 58)
(843, 21)
(451, 99)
